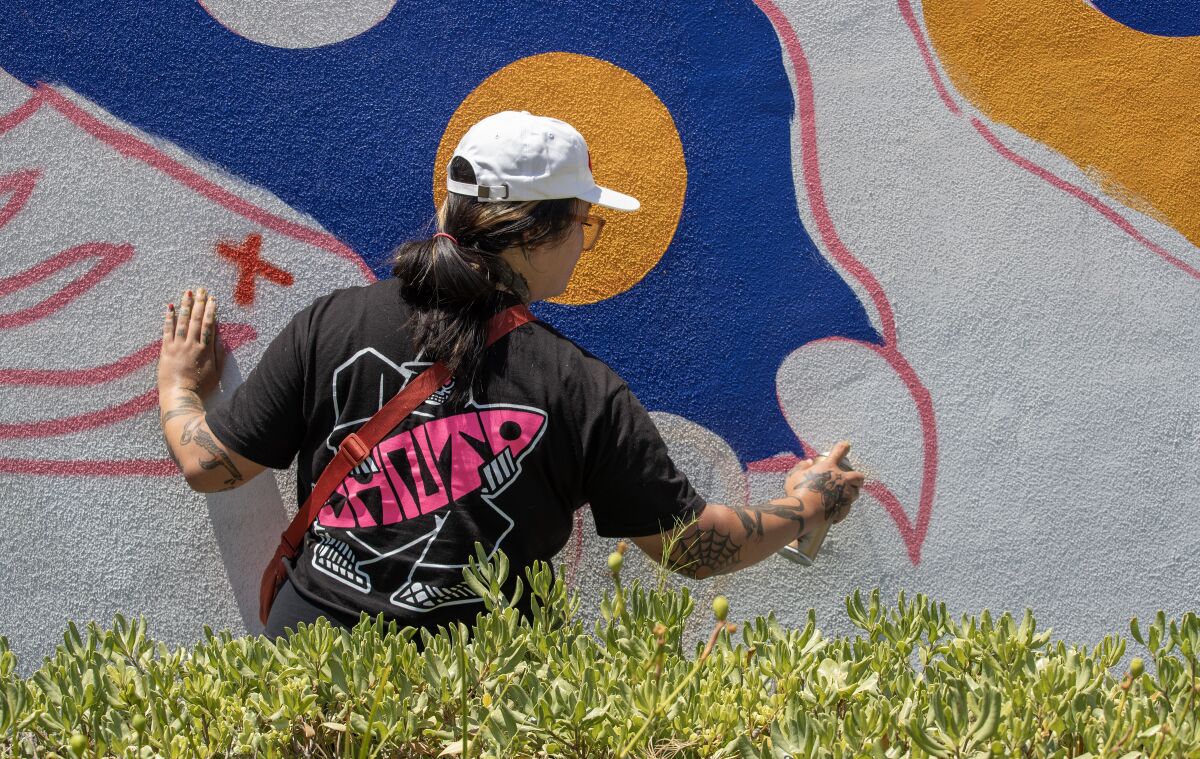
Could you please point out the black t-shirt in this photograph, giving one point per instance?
(549, 428)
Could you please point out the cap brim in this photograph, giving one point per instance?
(602, 196)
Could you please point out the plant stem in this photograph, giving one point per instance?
(675, 693)
(1116, 725)
(462, 667)
(365, 746)
(1192, 689)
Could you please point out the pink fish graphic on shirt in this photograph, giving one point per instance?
(426, 468)
(473, 454)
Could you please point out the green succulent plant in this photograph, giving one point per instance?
(912, 682)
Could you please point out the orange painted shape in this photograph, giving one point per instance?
(634, 148)
(1120, 104)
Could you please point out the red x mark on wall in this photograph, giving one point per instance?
(250, 267)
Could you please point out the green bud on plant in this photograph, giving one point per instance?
(139, 723)
(77, 744)
(1137, 666)
(615, 562)
(720, 607)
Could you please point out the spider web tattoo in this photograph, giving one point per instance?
(705, 552)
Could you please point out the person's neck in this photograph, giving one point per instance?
(514, 282)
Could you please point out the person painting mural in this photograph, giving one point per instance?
(522, 434)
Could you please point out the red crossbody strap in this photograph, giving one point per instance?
(355, 448)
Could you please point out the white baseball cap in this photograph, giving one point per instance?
(519, 156)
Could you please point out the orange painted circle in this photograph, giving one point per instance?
(634, 146)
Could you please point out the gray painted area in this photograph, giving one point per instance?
(1061, 360)
(87, 547)
(297, 23)
(1061, 356)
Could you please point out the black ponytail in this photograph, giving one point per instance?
(453, 286)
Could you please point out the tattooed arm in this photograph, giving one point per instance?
(206, 463)
(726, 538)
(188, 371)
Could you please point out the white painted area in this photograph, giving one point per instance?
(861, 399)
(711, 464)
(13, 92)
(89, 547)
(1062, 357)
(298, 23)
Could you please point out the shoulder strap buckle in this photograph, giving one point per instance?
(354, 450)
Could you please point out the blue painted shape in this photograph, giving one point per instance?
(1164, 18)
(348, 133)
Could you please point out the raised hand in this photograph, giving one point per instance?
(831, 478)
(191, 357)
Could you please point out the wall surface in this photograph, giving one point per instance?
(961, 236)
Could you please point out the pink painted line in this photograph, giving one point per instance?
(71, 424)
(232, 335)
(111, 256)
(17, 115)
(1041, 172)
(806, 113)
(773, 465)
(132, 147)
(19, 185)
(1073, 189)
(81, 377)
(910, 18)
(59, 468)
(913, 535)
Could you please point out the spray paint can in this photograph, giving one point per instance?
(804, 550)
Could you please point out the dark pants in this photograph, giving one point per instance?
(290, 608)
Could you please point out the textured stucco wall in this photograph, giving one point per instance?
(852, 229)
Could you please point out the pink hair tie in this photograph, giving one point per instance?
(447, 236)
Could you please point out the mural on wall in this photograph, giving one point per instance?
(354, 147)
(100, 224)
(851, 228)
(96, 392)
(1054, 328)
(1095, 83)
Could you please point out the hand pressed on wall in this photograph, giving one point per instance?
(192, 356)
(839, 488)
